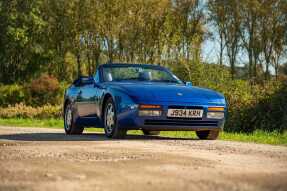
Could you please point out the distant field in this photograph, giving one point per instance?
(273, 138)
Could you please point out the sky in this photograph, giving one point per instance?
(210, 52)
(211, 47)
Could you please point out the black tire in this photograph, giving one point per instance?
(146, 132)
(70, 127)
(207, 134)
(111, 128)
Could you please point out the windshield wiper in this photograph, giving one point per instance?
(167, 81)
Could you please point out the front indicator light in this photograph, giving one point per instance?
(149, 106)
(149, 112)
(215, 108)
(215, 115)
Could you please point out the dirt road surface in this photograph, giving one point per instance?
(45, 159)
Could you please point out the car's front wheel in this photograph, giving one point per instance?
(110, 121)
(69, 122)
(207, 134)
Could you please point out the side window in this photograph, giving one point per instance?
(97, 77)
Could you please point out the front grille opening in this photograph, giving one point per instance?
(184, 107)
(191, 123)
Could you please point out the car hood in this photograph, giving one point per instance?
(163, 92)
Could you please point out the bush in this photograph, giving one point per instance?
(202, 74)
(44, 90)
(23, 111)
(269, 113)
(11, 94)
(254, 107)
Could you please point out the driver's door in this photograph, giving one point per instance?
(88, 98)
(86, 101)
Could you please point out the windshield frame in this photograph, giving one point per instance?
(144, 66)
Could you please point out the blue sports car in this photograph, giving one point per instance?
(122, 97)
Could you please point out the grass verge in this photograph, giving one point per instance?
(273, 138)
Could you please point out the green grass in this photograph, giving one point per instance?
(273, 138)
(19, 122)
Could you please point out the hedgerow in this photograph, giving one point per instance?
(41, 91)
(22, 111)
(11, 94)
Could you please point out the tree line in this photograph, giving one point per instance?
(62, 38)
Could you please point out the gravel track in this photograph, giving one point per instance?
(46, 159)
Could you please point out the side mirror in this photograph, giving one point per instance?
(188, 83)
(84, 81)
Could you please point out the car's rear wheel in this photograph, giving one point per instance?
(146, 132)
(207, 134)
(70, 123)
(110, 121)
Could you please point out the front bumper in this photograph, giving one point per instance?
(130, 120)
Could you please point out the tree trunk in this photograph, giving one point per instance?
(221, 50)
(79, 65)
(250, 57)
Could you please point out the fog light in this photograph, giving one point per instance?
(215, 115)
(149, 112)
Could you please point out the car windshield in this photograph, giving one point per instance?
(138, 73)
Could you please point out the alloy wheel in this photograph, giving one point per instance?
(68, 118)
(110, 118)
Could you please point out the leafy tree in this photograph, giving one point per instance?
(21, 43)
(64, 38)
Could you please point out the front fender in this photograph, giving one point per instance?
(123, 102)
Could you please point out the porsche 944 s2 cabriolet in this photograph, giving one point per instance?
(122, 97)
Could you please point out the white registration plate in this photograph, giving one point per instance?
(185, 113)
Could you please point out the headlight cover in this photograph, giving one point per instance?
(149, 113)
(215, 115)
